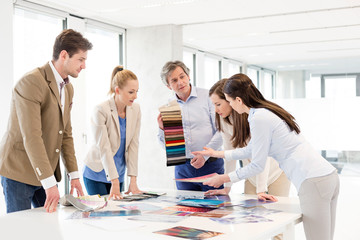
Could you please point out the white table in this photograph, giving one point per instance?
(37, 224)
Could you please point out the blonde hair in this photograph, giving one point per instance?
(119, 78)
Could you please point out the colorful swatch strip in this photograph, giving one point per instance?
(190, 233)
(174, 134)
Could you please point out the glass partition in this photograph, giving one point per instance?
(211, 71)
(189, 59)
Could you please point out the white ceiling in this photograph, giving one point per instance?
(276, 34)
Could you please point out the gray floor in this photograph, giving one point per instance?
(348, 212)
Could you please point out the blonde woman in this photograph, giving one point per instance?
(115, 128)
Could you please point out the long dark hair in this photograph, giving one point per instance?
(241, 86)
(241, 132)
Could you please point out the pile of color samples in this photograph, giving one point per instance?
(174, 134)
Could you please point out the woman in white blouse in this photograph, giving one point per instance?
(275, 133)
(235, 132)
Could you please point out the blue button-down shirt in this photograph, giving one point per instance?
(198, 118)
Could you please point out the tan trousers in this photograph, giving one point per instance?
(280, 187)
(318, 198)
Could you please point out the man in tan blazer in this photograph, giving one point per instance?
(39, 129)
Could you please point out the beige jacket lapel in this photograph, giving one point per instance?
(55, 90)
(115, 115)
(66, 112)
(52, 83)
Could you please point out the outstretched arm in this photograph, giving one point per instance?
(217, 180)
(210, 152)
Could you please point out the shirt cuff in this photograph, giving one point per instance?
(48, 182)
(74, 175)
(233, 177)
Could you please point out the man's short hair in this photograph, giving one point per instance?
(70, 41)
(169, 67)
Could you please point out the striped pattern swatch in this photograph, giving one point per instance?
(174, 134)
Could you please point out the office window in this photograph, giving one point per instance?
(268, 85)
(189, 60)
(233, 68)
(34, 37)
(211, 71)
(102, 59)
(253, 74)
(313, 87)
(339, 86)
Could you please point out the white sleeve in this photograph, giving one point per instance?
(259, 144)
(161, 138)
(238, 153)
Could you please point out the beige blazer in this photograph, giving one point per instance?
(106, 139)
(38, 132)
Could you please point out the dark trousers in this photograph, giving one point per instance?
(101, 188)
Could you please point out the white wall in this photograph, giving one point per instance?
(148, 49)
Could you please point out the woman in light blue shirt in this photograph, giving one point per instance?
(275, 133)
(115, 126)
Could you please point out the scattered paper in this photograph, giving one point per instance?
(117, 213)
(185, 232)
(140, 206)
(207, 203)
(196, 179)
(158, 218)
(242, 219)
(86, 203)
(117, 224)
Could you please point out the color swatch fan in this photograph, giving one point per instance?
(174, 134)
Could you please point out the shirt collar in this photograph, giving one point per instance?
(193, 93)
(58, 78)
(251, 113)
